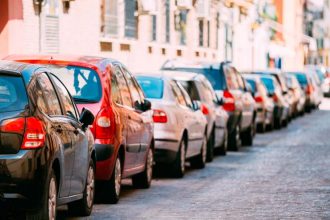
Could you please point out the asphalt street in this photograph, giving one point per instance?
(285, 175)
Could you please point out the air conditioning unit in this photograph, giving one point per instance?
(147, 7)
(184, 4)
(203, 9)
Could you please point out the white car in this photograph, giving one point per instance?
(180, 128)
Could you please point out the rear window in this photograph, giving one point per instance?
(213, 75)
(152, 87)
(252, 83)
(12, 94)
(302, 78)
(268, 82)
(83, 83)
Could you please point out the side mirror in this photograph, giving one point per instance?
(285, 92)
(196, 105)
(146, 106)
(219, 99)
(86, 118)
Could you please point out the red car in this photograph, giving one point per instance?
(123, 126)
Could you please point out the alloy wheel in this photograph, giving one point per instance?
(150, 163)
(183, 156)
(52, 196)
(90, 186)
(117, 176)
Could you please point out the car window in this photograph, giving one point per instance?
(153, 87)
(208, 91)
(83, 83)
(269, 84)
(12, 94)
(46, 88)
(64, 95)
(115, 91)
(192, 89)
(133, 88)
(185, 96)
(252, 84)
(123, 88)
(177, 93)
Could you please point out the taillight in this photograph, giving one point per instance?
(275, 98)
(34, 136)
(204, 109)
(258, 99)
(229, 101)
(309, 89)
(103, 125)
(31, 128)
(159, 116)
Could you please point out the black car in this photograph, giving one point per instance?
(229, 87)
(47, 155)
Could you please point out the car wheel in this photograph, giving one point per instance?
(48, 210)
(84, 206)
(112, 187)
(179, 168)
(143, 180)
(247, 137)
(234, 139)
(223, 149)
(210, 147)
(261, 127)
(200, 161)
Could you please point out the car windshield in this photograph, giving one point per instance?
(83, 83)
(213, 75)
(268, 82)
(12, 94)
(252, 83)
(152, 87)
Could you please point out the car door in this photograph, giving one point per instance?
(130, 120)
(79, 140)
(139, 117)
(50, 105)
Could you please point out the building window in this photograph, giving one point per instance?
(181, 25)
(201, 33)
(154, 28)
(167, 21)
(130, 19)
(109, 20)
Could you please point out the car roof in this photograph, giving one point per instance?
(180, 75)
(58, 59)
(17, 69)
(184, 63)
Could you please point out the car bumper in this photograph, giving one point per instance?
(105, 157)
(22, 179)
(233, 120)
(166, 150)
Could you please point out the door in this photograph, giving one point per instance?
(49, 104)
(130, 121)
(137, 116)
(79, 140)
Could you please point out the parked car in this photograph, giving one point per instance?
(123, 127)
(279, 76)
(321, 75)
(307, 86)
(201, 91)
(281, 110)
(317, 82)
(47, 155)
(299, 97)
(180, 129)
(229, 88)
(264, 104)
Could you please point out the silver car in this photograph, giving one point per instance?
(200, 90)
(180, 128)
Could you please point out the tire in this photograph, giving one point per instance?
(84, 206)
(143, 180)
(210, 147)
(277, 123)
(50, 199)
(178, 167)
(112, 187)
(247, 137)
(223, 149)
(234, 140)
(200, 161)
(261, 127)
